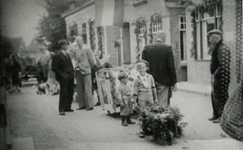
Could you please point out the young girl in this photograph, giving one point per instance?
(125, 96)
(144, 89)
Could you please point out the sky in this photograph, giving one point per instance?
(19, 18)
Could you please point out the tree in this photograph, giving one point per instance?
(52, 27)
(6, 47)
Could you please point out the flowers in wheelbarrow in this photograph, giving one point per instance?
(162, 123)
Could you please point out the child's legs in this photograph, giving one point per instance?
(145, 99)
(130, 107)
(124, 110)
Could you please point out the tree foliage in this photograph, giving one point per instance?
(6, 47)
(52, 26)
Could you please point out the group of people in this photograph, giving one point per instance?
(157, 77)
(83, 72)
(12, 76)
(154, 84)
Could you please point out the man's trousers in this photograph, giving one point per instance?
(84, 90)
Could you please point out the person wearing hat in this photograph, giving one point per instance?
(161, 67)
(125, 96)
(62, 66)
(219, 69)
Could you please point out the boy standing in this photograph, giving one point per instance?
(144, 89)
(125, 96)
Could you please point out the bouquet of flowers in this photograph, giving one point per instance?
(162, 123)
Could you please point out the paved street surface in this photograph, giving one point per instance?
(36, 124)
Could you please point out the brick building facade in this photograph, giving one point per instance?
(225, 14)
(121, 28)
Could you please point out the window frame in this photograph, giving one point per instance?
(182, 29)
(202, 44)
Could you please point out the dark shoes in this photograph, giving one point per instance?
(97, 104)
(216, 120)
(141, 134)
(128, 118)
(89, 108)
(62, 113)
(124, 122)
(212, 118)
(69, 110)
(80, 108)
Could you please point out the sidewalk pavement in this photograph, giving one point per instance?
(202, 89)
(35, 123)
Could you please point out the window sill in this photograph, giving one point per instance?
(139, 2)
(183, 63)
(203, 60)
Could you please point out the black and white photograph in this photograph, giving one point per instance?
(121, 74)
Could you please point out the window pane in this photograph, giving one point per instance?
(206, 26)
(218, 10)
(196, 15)
(198, 40)
(183, 45)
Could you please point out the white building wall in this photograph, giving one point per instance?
(80, 17)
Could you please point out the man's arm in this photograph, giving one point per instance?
(90, 58)
(144, 54)
(224, 60)
(171, 66)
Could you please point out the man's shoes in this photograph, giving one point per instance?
(129, 121)
(62, 113)
(216, 120)
(97, 104)
(80, 108)
(124, 124)
(89, 108)
(141, 134)
(212, 118)
(69, 110)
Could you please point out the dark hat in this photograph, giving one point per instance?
(214, 31)
(63, 42)
(122, 75)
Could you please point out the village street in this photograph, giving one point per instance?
(36, 124)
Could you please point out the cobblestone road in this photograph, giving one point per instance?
(36, 117)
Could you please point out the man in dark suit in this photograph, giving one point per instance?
(219, 68)
(62, 66)
(161, 67)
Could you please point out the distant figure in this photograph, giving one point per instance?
(219, 69)
(7, 74)
(161, 67)
(15, 69)
(54, 87)
(62, 66)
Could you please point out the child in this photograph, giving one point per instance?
(125, 96)
(144, 89)
(42, 88)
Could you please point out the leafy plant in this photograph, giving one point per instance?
(162, 123)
